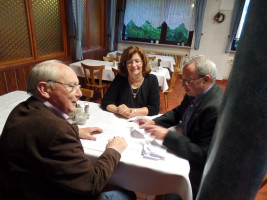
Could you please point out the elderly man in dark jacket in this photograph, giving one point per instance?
(40, 151)
(198, 115)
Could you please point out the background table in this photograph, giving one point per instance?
(163, 75)
(166, 61)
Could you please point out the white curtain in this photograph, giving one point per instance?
(173, 12)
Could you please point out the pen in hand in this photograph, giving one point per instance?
(139, 121)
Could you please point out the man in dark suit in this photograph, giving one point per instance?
(40, 151)
(197, 113)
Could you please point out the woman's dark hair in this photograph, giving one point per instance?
(128, 54)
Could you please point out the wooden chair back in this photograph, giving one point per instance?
(155, 53)
(174, 77)
(152, 58)
(115, 71)
(109, 59)
(178, 62)
(91, 81)
(87, 93)
(118, 55)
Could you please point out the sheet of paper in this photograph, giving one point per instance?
(136, 132)
(153, 150)
(101, 141)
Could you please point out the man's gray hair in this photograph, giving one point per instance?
(43, 71)
(204, 66)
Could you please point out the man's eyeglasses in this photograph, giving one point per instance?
(72, 87)
(130, 62)
(187, 82)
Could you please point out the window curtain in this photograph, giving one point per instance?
(120, 25)
(78, 25)
(237, 13)
(173, 12)
(113, 7)
(200, 11)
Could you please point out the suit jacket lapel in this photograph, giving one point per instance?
(200, 106)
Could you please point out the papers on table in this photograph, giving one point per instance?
(137, 132)
(98, 146)
(148, 117)
(151, 149)
(147, 146)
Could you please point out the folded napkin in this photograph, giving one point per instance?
(137, 132)
(153, 150)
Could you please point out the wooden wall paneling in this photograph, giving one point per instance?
(102, 24)
(96, 54)
(64, 27)
(31, 29)
(21, 81)
(27, 70)
(11, 80)
(3, 88)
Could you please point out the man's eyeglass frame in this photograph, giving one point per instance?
(72, 86)
(186, 82)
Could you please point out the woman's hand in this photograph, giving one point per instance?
(125, 111)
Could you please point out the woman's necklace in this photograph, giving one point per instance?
(135, 93)
(132, 90)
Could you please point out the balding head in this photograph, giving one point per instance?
(204, 66)
(56, 83)
(51, 70)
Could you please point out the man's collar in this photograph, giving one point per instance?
(54, 109)
(197, 99)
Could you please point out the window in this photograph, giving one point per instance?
(240, 27)
(31, 30)
(168, 21)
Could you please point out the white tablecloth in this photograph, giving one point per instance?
(134, 172)
(163, 75)
(146, 176)
(166, 61)
(8, 102)
(108, 75)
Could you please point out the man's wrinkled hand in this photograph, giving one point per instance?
(156, 131)
(143, 120)
(87, 133)
(118, 143)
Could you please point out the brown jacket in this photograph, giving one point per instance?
(41, 157)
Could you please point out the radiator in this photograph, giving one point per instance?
(175, 55)
(167, 52)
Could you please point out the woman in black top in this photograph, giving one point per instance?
(133, 92)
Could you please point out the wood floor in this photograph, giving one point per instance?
(175, 99)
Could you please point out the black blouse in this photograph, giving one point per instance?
(120, 92)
